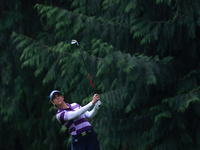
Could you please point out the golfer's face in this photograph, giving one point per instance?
(57, 98)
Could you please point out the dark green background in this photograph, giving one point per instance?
(143, 58)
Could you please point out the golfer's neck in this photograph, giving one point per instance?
(63, 105)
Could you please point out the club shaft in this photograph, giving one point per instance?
(87, 71)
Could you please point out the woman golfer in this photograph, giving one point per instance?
(74, 118)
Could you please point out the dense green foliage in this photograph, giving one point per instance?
(143, 57)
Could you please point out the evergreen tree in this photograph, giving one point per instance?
(24, 105)
(144, 62)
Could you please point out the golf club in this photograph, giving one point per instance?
(75, 42)
(98, 103)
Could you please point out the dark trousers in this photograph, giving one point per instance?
(86, 142)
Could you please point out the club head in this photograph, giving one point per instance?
(74, 42)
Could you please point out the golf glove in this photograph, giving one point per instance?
(97, 104)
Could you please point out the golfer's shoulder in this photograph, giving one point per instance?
(74, 105)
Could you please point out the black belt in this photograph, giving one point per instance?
(83, 133)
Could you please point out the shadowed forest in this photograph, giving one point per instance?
(143, 59)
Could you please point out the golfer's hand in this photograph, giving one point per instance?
(95, 98)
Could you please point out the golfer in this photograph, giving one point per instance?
(74, 118)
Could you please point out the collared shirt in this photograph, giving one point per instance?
(75, 126)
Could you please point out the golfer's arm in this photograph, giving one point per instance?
(91, 114)
(73, 114)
